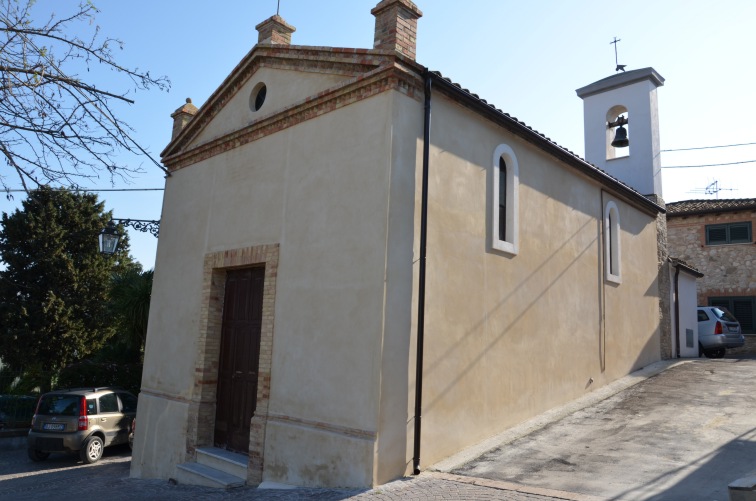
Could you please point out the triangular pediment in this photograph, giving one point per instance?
(271, 80)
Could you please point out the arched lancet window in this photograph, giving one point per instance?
(505, 208)
(502, 199)
(612, 254)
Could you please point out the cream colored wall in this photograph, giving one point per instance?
(509, 337)
(632, 308)
(397, 348)
(688, 313)
(321, 190)
(284, 88)
(330, 302)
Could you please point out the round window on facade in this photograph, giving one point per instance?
(257, 99)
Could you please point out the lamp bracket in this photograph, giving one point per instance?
(144, 225)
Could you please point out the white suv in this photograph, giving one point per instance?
(717, 331)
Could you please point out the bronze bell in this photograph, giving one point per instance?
(620, 138)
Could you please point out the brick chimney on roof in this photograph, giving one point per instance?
(182, 117)
(396, 26)
(275, 30)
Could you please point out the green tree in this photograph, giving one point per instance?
(130, 306)
(55, 287)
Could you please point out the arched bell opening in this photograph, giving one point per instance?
(617, 133)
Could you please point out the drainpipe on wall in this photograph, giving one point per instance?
(677, 310)
(421, 277)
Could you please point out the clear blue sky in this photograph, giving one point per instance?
(525, 57)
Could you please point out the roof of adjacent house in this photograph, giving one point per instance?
(693, 207)
(686, 267)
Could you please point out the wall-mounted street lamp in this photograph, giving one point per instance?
(109, 236)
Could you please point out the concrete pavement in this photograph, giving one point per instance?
(683, 433)
(65, 477)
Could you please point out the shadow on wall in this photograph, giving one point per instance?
(514, 292)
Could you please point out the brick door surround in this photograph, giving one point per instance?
(201, 420)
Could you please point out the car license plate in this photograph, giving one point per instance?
(54, 426)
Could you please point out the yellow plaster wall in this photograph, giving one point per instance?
(508, 337)
(321, 191)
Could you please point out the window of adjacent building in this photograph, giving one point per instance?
(505, 194)
(741, 308)
(730, 233)
(612, 243)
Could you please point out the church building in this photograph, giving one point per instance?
(383, 268)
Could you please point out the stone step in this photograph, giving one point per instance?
(743, 489)
(223, 460)
(200, 474)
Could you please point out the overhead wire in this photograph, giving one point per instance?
(707, 148)
(706, 165)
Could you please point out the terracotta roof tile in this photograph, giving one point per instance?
(542, 136)
(689, 207)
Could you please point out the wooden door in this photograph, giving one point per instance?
(239, 358)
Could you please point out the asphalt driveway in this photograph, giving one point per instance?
(674, 431)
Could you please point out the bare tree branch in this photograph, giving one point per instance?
(56, 126)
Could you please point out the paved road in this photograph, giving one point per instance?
(65, 477)
(681, 433)
(685, 433)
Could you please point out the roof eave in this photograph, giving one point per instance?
(544, 143)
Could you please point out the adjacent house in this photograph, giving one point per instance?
(382, 268)
(716, 236)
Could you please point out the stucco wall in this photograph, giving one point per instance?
(321, 191)
(686, 286)
(509, 337)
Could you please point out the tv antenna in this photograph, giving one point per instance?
(616, 61)
(712, 188)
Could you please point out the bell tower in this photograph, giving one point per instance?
(621, 125)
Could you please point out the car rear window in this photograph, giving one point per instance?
(724, 315)
(59, 405)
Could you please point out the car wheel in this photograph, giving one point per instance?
(36, 455)
(92, 450)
